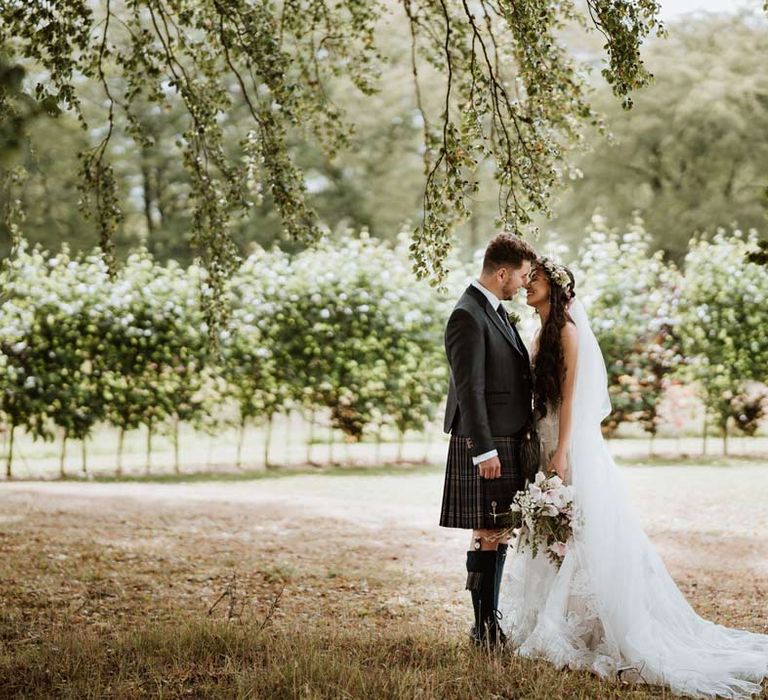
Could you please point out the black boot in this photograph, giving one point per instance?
(481, 582)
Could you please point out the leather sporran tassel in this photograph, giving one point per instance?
(530, 454)
(474, 581)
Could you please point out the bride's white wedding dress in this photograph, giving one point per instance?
(612, 606)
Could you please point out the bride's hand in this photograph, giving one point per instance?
(559, 464)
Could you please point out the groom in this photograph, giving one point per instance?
(488, 411)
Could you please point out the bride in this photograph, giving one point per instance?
(611, 608)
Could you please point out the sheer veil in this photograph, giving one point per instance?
(612, 605)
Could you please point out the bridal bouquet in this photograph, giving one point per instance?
(541, 517)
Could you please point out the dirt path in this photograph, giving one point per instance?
(729, 500)
(710, 523)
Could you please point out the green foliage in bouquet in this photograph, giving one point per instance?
(541, 516)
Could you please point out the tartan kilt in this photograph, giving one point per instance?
(468, 499)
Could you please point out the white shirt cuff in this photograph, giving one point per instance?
(484, 456)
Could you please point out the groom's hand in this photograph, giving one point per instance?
(490, 468)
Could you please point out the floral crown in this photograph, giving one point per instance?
(557, 272)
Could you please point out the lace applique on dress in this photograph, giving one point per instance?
(568, 631)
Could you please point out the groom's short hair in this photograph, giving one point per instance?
(506, 249)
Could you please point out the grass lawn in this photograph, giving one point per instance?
(306, 586)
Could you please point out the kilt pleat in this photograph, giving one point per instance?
(468, 499)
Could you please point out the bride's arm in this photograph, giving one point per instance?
(559, 460)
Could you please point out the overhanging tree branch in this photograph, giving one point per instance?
(514, 98)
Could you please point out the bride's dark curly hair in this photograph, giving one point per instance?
(550, 361)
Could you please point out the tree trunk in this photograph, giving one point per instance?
(5, 440)
(148, 465)
(160, 172)
(330, 443)
(9, 463)
(268, 441)
(241, 437)
(63, 454)
(724, 428)
(209, 458)
(400, 444)
(176, 461)
(120, 443)
(427, 445)
(379, 440)
(474, 228)
(311, 441)
(83, 456)
(704, 437)
(148, 196)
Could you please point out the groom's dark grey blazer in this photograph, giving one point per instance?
(490, 388)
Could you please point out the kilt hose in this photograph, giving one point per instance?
(468, 499)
